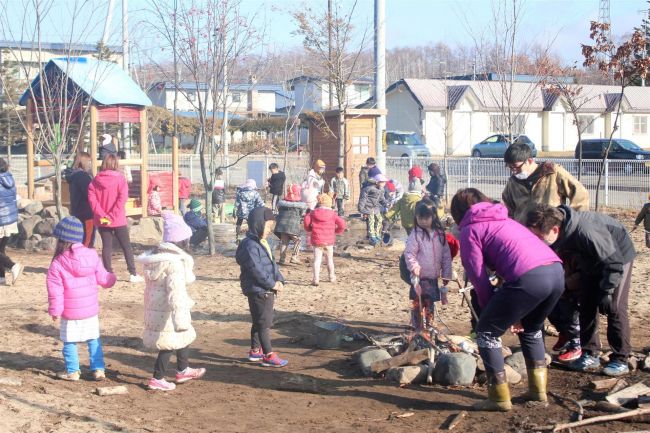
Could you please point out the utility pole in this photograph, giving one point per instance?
(126, 130)
(380, 80)
(329, 54)
(107, 24)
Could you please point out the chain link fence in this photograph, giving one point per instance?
(625, 183)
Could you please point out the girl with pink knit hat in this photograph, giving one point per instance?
(167, 318)
(288, 223)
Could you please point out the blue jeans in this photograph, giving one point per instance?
(95, 353)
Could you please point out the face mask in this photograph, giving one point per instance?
(522, 176)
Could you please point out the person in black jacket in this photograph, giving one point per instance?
(605, 254)
(78, 182)
(276, 185)
(436, 185)
(107, 147)
(260, 281)
(644, 215)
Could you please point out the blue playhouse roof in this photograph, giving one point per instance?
(105, 82)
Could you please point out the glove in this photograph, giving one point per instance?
(606, 304)
(104, 221)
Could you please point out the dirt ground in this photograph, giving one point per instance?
(238, 396)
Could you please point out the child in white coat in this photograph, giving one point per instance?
(167, 318)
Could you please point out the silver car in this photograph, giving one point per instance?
(405, 145)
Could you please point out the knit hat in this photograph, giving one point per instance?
(293, 193)
(250, 183)
(325, 200)
(70, 229)
(174, 228)
(195, 205)
(390, 186)
(380, 178)
(415, 171)
(320, 164)
(106, 139)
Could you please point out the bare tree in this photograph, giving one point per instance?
(208, 38)
(341, 60)
(58, 130)
(622, 62)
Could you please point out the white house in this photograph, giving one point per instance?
(251, 100)
(312, 93)
(466, 112)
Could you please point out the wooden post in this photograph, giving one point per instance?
(144, 156)
(93, 137)
(30, 148)
(175, 174)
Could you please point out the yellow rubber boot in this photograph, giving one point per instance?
(537, 380)
(498, 395)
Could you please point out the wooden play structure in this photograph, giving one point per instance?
(110, 96)
(359, 142)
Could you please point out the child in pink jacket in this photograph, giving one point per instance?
(428, 258)
(72, 280)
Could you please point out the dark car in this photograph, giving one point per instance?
(621, 149)
(495, 146)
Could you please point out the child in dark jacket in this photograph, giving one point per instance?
(276, 185)
(371, 203)
(260, 281)
(644, 215)
(324, 224)
(197, 223)
(79, 181)
(288, 227)
(219, 198)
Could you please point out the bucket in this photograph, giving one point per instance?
(329, 334)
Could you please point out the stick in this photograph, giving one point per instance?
(430, 362)
(603, 418)
(408, 358)
(581, 410)
(112, 390)
(456, 420)
(599, 385)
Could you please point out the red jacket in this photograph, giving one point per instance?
(107, 196)
(324, 224)
(184, 187)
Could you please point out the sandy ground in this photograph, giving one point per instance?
(237, 396)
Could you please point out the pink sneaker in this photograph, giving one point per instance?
(189, 374)
(255, 355)
(160, 385)
(273, 360)
(571, 354)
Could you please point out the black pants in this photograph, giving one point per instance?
(274, 202)
(566, 319)
(261, 306)
(164, 356)
(339, 207)
(199, 236)
(618, 324)
(528, 300)
(122, 236)
(5, 261)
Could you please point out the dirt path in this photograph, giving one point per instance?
(236, 396)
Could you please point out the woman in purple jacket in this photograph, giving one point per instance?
(533, 281)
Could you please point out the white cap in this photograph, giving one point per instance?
(106, 139)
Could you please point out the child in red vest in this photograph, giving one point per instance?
(324, 224)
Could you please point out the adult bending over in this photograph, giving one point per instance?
(107, 195)
(533, 281)
(8, 222)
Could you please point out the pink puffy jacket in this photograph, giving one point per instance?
(72, 282)
(324, 224)
(107, 196)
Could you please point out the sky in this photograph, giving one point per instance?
(564, 23)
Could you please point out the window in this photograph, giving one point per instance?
(498, 124)
(191, 96)
(640, 124)
(360, 145)
(363, 91)
(586, 124)
(236, 97)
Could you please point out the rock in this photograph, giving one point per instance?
(149, 229)
(604, 358)
(513, 376)
(632, 363)
(50, 212)
(36, 238)
(23, 202)
(45, 227)
(26, 227)
(407, 375)
(369, 355)
(455, 369)
(112, 390)
(47, 244)
(646, 363)
(33, 208)
(480, 366)
(517, 362)
(11, 381)
(28, 244)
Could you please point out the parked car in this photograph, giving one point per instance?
(406, 145)
(622, 149)
(495, 146)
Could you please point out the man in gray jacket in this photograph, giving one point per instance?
(605, 254)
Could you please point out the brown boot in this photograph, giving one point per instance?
(498, 395)
(537, 380)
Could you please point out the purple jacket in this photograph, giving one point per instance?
(488, 238)
(72, 281)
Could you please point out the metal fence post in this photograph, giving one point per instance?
(469, 172)
(607, 182)
(191, 168)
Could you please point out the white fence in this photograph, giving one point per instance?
(625, 184)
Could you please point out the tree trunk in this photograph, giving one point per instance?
(208, 193)
(579, 153)
(342, 139)
(58, 181)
